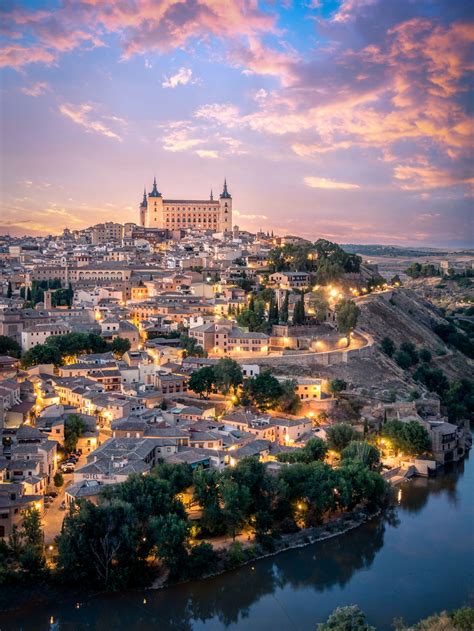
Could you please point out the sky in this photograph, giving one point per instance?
(349, 120)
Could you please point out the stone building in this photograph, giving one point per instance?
(198, 214)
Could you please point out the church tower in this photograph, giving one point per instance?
(225, 210)
(142, 210)
(154, 212)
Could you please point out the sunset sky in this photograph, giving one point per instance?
(349, 120)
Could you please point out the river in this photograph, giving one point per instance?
(411, 565)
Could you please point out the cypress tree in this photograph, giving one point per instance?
(284, 310)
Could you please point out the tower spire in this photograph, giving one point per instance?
(225, 193)
(155, 192)
(212, 196)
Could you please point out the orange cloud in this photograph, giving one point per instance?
(427, 177)
(323, 182)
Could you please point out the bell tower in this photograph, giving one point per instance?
(154, 214)
(225, 210)
(142, 210)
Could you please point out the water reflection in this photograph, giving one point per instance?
(416, 493)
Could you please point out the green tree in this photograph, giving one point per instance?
(31, 555)
(284, 309)
(356, 484)
(347, 313)
(289, 402)
(191, 347)
(207, 493)
(179, 477)
(41, 354)
(9, 346)
(337, 385)
(247, 318)
(410, 349)
(298, 312)
(425, 356)
(202, 560)
(318, 303)
(170, 533)
(409, 437)
(273, 317)
(402, 359)
(74, 428)
(227, 375)
(202, 381)
(340, 435)
(9, 290)
(361, 451)
(236, 499)
(459, 400)
(120, 346)
(315, 449)
(433, 378)
(346, 619)
(388, 346)
(263, 391)
(58, 479)
(250, 473)
(463, 619)
(100, 545)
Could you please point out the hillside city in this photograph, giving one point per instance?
(180, 397)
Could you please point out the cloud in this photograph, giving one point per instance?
(187, 136)
(349, 8)
(223, 113)
(257, 58)
(207, 153)
(413, 178)
(182, 77)
(86, 116)
(17, 56)
(36, 89)
(322, 182)
(180, 136)
(143, 26)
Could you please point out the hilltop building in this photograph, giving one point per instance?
(198, 214)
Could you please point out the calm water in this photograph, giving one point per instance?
(420, 562)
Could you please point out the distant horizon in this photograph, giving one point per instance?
(468, 247)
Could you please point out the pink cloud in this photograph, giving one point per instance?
(17, 56)
(143, 25)
(36, 89)
(86, 116)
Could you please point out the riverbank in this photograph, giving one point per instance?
(305, 537)
(50, 592)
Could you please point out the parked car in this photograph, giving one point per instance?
(52, 494)
(62, 506)
(68, 467)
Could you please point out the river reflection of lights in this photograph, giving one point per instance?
(399, 496)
